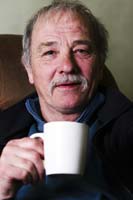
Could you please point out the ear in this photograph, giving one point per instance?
(30, 74)
(28, 69)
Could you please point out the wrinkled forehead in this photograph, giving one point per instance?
(61, 19)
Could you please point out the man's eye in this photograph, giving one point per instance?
(83, 52)
(48, 53)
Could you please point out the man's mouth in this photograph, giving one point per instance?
(68, 85)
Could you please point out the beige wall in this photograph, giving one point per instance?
(115, 14)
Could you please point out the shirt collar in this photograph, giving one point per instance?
(33, 108)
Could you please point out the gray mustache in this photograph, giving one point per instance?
(69, 78)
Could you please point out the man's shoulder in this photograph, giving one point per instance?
(116, 103)
(15, 121)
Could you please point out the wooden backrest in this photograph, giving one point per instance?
(14, 84)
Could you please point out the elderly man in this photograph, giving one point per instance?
(64, 53)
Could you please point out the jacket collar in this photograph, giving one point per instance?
(115, 104)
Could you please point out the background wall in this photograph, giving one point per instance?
(117, 17)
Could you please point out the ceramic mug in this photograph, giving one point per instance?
(65, 147)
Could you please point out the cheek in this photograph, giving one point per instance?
(86, 67)
(42, 71)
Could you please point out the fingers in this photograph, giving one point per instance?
(14, 173)
(23, 160)
(10, 182)
(24, 168)
(28, 143)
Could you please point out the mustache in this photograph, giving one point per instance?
(74, 79)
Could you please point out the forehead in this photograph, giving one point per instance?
(60, 22)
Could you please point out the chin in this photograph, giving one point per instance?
(72, 108)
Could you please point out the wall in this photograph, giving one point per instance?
(15, 13)
(116, 15)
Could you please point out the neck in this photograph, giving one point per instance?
(60, 117)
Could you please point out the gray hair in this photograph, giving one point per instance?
(99, 34)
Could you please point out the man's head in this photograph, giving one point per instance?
(64, 50)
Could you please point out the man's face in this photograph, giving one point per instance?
(62, 63)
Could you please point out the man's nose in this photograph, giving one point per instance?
(67, 65)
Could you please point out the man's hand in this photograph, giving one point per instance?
(20, 163)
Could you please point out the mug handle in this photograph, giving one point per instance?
(37, 135)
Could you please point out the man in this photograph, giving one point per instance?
(64, 53)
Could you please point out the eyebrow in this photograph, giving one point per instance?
(50, 43)
(78, 42)
(54, 43)
(46, 44)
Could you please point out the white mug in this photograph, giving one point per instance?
(65, 147)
